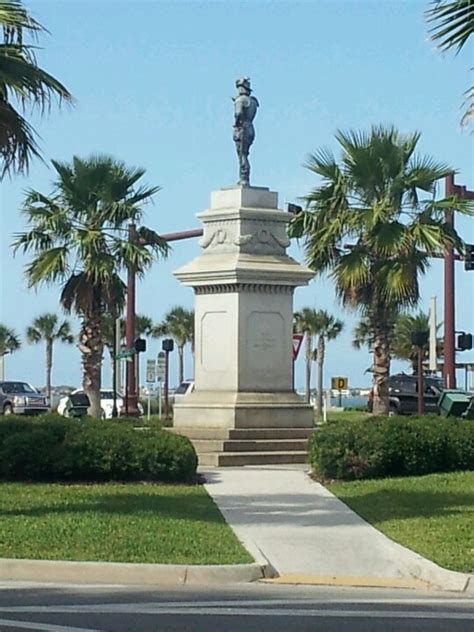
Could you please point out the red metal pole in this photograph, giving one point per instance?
(130, 335)
(449, 369)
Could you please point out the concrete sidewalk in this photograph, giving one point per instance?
(305, 532)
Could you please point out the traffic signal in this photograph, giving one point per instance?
(464, 342)
(167, 344)
(140, 345)
(419, 338)
(469, 257)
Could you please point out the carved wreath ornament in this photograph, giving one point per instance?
(262, 236)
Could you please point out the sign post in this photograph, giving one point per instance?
(150, 378)
(339, 384)
(160, 375)
(297, 340)
(296, 346)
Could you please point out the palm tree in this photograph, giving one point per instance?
(78, 238)
(305, 322)
(453, 24)
(48, 329)
(327, 328)
(179, 324)
(366, 226)
(9, 342)
(401, 346)
(22, 82)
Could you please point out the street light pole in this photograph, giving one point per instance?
(131, 396)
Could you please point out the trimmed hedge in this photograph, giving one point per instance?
(391, 446)
(51, 448)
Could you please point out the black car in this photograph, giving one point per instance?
(403, 393)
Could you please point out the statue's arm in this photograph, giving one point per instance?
(238, 111)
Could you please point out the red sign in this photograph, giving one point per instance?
(297, 340)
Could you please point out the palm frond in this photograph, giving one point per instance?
(453, 23)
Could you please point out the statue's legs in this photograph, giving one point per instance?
(244, 170)
(244, 163)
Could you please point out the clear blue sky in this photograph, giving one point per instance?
(154, 81)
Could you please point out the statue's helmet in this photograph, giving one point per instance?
(243, 82)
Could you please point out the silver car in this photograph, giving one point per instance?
(20, 398)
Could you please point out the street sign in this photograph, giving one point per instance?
(339, 383)
(161, 366)
(150, 371)
(125, 353)
(297, 340)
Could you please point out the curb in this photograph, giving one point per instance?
(50, 571)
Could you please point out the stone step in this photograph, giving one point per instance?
(271, 433)
(228, 459)
(244, 433)
(262, 445)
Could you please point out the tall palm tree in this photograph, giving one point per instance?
(327, 328)
(22, 83)
(48, 329)
(453, 24)
(305, 322)
(401, 346)
(367, 227)
(179, 324)
(78, 238)
(9, 342)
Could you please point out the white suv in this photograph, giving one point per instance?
(106, 403)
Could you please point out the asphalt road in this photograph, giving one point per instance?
(248, 608)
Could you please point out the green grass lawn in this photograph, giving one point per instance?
(116, 523)
(432, 515)
(344, 415)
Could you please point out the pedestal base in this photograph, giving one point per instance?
(225, 409)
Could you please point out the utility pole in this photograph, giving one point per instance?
(449, 368)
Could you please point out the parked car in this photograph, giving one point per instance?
(181, 392)
(20, 398)
(76, 404)
(403, 394)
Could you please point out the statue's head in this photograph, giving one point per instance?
(243, 84)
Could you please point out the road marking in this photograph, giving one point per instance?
(144, 609)
(226, 603)
(46, 627)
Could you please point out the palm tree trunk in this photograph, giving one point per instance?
(91, 347)
(309, 353)
(381, 369)
(321, 351)
(2, 367)
(181, 363)
(49, 368)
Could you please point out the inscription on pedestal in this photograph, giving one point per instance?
(266, 348)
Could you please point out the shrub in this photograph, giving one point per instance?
(54, 448)
(391, 446)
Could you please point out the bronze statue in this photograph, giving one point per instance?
(245, 107)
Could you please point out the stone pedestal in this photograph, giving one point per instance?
(244, 284)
